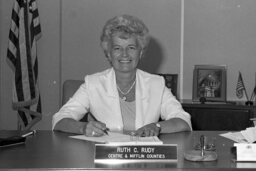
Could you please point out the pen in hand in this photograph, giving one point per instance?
(101, 126)
(105, 130)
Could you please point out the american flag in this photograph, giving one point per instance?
(24, 32)
(240, 86)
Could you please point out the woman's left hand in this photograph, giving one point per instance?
(148, 130)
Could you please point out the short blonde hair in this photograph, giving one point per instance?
(126, 25)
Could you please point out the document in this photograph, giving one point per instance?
(245, 136)
(235, 136)
(121, 139)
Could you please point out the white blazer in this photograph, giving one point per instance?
(99, 95)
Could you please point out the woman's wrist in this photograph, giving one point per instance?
(82, 128)
(158, 125)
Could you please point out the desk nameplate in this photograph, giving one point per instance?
(111, 153)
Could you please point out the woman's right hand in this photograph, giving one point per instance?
(94, 129)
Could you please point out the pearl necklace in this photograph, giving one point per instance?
(128, 91)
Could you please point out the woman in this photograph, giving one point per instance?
(123, 98)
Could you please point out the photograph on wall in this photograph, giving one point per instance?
(209, 81)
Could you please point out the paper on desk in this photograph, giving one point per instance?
(235, 136)
(246, 136)
(118, 138)
(249, 134)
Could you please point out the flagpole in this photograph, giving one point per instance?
(246, 94)
(253, 93)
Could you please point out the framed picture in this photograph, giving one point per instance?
(210, 82)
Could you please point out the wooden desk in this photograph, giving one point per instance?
(220, 116)
(56, 151)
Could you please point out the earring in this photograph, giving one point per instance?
(141, 53)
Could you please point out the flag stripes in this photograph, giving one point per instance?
(240, 86)
(22, 55)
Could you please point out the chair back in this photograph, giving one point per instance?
(69, 88)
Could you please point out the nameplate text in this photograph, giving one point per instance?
(109, 153)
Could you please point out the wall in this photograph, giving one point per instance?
(7, 118)
(215, 32)
(220, 32)
(82, 23)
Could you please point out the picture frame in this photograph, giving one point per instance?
(210, 82)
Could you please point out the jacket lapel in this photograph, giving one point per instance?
(114, 97)
(141, 98)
